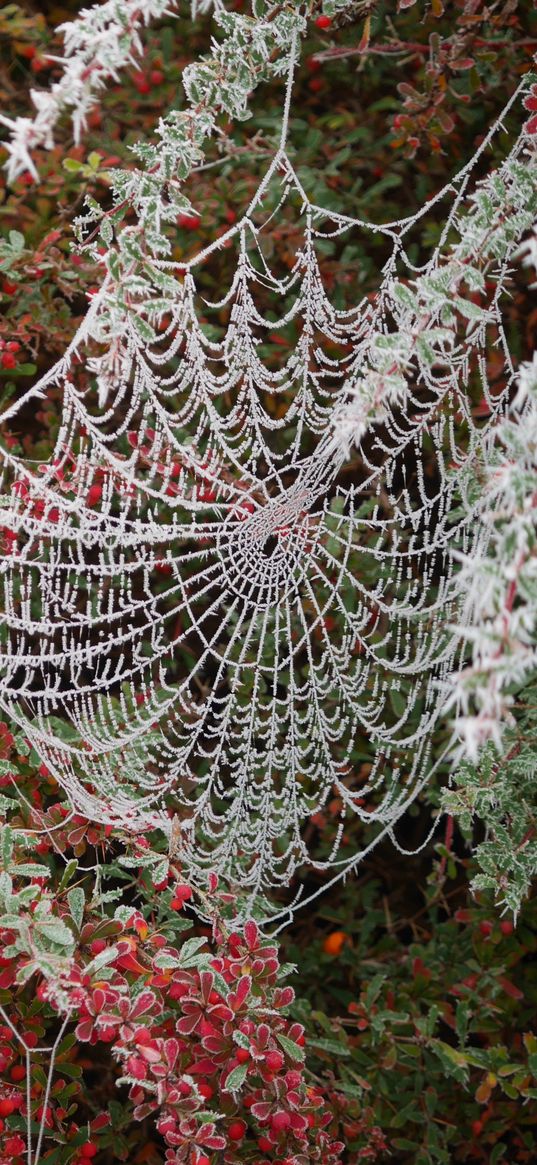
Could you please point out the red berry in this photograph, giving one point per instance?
(13, 346)
(7, 1106)
(323, 21)
(15, 1145)
(94, 495)
(243, 1055)
(18, 1073)
(486, 927)
(264, 1144)
(9, 360)
(189, 222)
(316, 84)
(142, 83)
(274, 1061)
(280, 1121)
(89, 1149)
(156, 77)
(477, 1127)
(202, 1160)
(506, 926)
(9, 288)
(183, 892)
(236, 1130)
(206, 1090)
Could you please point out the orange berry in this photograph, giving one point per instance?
(334, 942)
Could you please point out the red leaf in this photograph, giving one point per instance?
(171, 1048)
(151, 1055)
(99, 999)
(531, 125)
(251, 934)
(509, 987)
(144, 1002)
(243, 990)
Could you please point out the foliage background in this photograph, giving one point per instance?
(417, 996)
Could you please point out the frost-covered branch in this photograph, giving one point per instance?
(251, 50)
(499, 618)
(425, 313)
(101, 42)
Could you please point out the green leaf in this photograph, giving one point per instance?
(69, 871)
(236, 1078)
(290, 1048)
(16, 241)
(77, 901)
(241, 1039)
(6, 847)
(31, 870)
(331, 1046)
(189, 950)
(54, 930)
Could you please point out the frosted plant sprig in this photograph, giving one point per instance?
(252, 50)
(101, 42)
(423, 334)
(499, 617)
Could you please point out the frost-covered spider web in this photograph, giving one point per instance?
(218, 615)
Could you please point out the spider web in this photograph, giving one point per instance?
(174, 574)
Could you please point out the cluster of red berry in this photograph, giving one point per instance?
(8, 353)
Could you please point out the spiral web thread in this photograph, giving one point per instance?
(172, 573)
